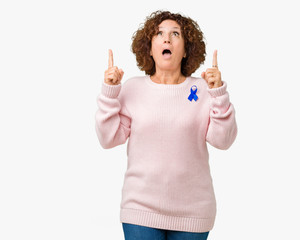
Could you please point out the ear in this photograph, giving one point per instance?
(150, 52)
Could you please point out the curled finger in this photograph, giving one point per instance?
(211, 70)
(116, 77)
(209, 75)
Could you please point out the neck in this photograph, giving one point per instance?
(165, 77)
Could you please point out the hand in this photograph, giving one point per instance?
(212, 75)
(113, 75)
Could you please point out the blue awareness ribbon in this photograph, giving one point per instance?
(193, 94)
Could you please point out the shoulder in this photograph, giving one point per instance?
(199, 81)
(133, 83)
(134, 80)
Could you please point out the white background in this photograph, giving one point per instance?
(56, 181)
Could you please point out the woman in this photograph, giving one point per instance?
(168, 117)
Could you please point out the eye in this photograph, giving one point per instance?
(176, 33)
(160, 32)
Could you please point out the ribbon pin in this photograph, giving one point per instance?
(193, 94)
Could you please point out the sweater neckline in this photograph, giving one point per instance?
(167, 86)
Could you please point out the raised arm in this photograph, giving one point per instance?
(222, 127)
(112, 118)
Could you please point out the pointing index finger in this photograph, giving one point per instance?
(215, 62)
(110, 58)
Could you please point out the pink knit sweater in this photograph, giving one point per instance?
(167, 184)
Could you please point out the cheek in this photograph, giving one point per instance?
(181, 49)
(155, 50)
(182, 44)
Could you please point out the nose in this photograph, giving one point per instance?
(167, 38)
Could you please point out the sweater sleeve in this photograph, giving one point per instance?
(222, 127)
(112, 118)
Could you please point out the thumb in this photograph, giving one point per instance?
(121, 72)
(203, 75)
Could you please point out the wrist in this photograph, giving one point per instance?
(110, 90)
(110, 82)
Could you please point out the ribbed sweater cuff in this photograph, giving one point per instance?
(110, 91)
(216, 92)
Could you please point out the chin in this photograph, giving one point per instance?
(168, 66)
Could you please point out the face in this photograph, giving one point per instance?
(169, 37)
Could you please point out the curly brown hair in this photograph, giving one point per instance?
(193, 42)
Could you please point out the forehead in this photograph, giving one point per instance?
(169, 24)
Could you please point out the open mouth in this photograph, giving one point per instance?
(166, 51)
